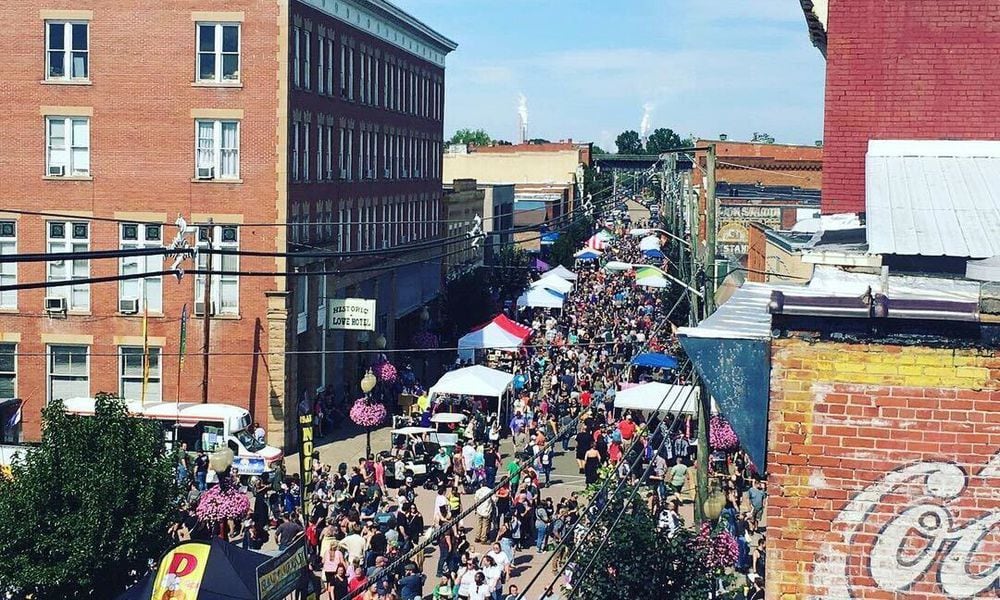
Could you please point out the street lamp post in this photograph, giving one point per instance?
(367, 385)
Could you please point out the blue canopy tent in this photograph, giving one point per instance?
(653, 254)
(587, 254)
(659, 361)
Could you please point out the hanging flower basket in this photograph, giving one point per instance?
(386, 372)
(367, 414)
(721, 547)
(721, 435)
(218, 504)
(425, 340)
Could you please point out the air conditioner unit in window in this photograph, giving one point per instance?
(55, 304)
(206, 172)
(128, 306)
(199, 309)
(370, 174)
(57, 170)
(388, 172)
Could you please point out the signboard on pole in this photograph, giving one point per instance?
(305, 460)
(281, 575)
(351, 313)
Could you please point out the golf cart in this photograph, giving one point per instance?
(446, 425)
(414, 459)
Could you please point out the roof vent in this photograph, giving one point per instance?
(987, 269)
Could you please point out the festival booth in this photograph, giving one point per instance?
(476, 380)
(563, 273)
(500, 333)
(651, 277)
(676, 399)
(219, 570)
(650, 242)
(555, 283)
(588, 254)
(540, 297)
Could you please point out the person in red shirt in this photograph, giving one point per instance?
(585, 399)
(627, 428)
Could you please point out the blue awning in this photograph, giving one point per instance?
(650, 359)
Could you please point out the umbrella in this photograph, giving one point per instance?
(650, 277)
(650, 242)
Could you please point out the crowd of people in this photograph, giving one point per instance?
(356, 525)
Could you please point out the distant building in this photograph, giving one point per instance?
(547, 178)
(915, 70)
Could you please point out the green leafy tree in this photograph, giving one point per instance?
(663, 139)
(595, 150)
(673, 566)
(538, 141)
(628, 142)
(475, 137)
(84, 512)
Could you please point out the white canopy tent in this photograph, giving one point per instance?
(490, 336)
(554, 283)
(563, 272)
(649, 243)
(476, 380)
(540, 297)
(676, 399)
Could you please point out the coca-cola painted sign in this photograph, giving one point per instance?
(926, 526)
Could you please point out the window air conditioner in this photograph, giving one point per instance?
(57, 170)
(371, 174)
(128, 306)
(199, 308)
(388, 172)
(55, 304)
(206, 172)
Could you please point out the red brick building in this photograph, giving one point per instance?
(902, 70)
(325, 115)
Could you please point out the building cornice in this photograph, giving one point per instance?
(389, 23)
(816, 12)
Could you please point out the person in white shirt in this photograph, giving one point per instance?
(493, 573)
(480, 591)
(466, 577)
(500, 559)
(484, 513)
(259, 433)
(355, 544)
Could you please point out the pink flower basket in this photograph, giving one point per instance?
(216, 505)
(385, 372)
(721, 435)
(367, 414)
(721, 546)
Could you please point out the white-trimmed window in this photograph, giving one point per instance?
(148, 291)
(218, 52)
(296, 56)
(307, 59)
(305, 150)
(321, 301)
(320, 134)
(67, 50)
(329, 152)
(67, 143)
(68, 371)
(295, 151)
(8, 271)
(69, 237)
(217, 153)
(329, 50)
(341, 230)
(350, 154)
(130, 374)
(225, 292)
(321, 65)
(8, 370)
(363, 76)
(302, 303)
(343, 68)
(350, 74)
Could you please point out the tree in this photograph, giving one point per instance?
(83, 513)
(761, 137)
(663, 139)
(674, 566)
(595, 149)
(475, 137)
(628, 142)
(538, 141)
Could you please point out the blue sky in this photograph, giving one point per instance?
(588, 68)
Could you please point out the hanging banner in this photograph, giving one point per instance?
(305, 461)
(181, 571)
(351, 313)
(280, 576)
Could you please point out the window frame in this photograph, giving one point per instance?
(217, 149)
(218, 241)
(143, 240)
(302, 304)
(69, 243)
(69, 147)
(67, 50)
(218, 53)
(51, 375)
(8, 270)
(153, 380)
(11, 349)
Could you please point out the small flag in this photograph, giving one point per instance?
(15, 417)
(183, 338)
(145, 351)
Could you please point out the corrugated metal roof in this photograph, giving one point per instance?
(933, 198)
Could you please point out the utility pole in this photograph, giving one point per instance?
(207, 314)
(710, 230)
(692, 204)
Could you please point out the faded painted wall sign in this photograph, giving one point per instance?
(929, 537)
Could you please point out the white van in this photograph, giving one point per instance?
(205, 427)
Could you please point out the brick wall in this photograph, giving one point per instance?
(884, 472)
(905, 70)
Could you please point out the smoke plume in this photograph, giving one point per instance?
(647, 119)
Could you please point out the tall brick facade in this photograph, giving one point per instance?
(919, 69)
(885, 466)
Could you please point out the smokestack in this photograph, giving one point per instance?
(522, 114)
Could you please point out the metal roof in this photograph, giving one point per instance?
(933, 198)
